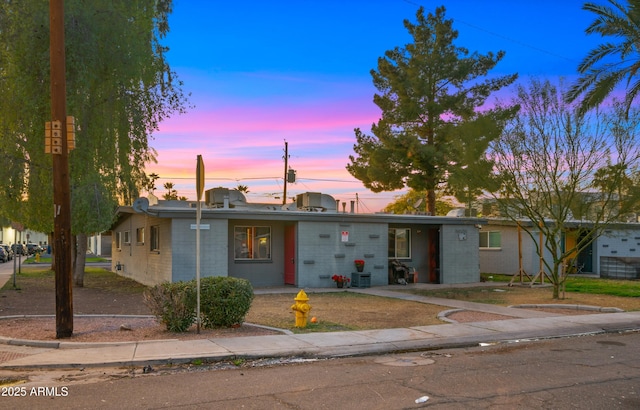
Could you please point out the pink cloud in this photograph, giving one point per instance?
(242, 141)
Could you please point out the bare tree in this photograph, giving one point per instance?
(562, 171)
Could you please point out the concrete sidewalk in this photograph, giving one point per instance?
(526, 324)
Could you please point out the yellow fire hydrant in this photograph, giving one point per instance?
(301, 308)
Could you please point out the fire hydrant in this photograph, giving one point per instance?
(301, 308)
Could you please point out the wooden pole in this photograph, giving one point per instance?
(286, 165)
(61, 191)
(521, 271)
(541, 273)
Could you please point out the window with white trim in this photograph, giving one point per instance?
(399, 243)
(119, 240)
(252, 242)
(490, 240)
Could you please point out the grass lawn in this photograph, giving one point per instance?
(581, 284)
(623, 294)
(47, 259)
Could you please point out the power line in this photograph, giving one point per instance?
(348, 181)
(502, 36)
(220, 179)
(330, 180)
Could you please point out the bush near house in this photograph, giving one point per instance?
(224, 302)
(173, 304)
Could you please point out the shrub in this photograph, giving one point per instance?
(224, 301)
(173, 304)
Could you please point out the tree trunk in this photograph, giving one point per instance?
(80, 259)
(431, 202)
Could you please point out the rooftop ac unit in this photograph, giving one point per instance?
(215, 196)
(309, 200)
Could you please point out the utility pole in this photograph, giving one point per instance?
(61, 192)
(286, 168)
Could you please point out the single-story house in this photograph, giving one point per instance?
(506, 248)
(303, 243)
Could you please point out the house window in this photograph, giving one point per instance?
(118, 240)
(252, 242)
(140, 236)
(490, 240)
(399, 243)
(127, 238)
(154, 239)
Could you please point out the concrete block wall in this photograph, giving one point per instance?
(617, 252)
(460, 254)
(624, 243)
(322, 252)
(214, 248)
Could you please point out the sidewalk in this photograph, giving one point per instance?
(526, 325)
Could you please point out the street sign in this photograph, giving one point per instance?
(199, 189)
(204, 227)
(199, 177)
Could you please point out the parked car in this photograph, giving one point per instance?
(3, 255)
(19, 249)
(33, 248)
(8, 249)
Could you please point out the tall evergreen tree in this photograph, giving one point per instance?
(613, 62)
(432, 131)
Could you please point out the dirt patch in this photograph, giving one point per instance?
(468, 316)
(106, 329)
(351, 311)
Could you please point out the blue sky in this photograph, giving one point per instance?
(264, 72)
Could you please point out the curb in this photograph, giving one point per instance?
(61, 344)
(575, 307)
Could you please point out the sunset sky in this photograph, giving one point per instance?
(262, 72)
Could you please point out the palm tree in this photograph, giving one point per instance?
(600, 72)
(172, 193)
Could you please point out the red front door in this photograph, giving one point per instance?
(290, 255)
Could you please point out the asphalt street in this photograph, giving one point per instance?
(589, 372)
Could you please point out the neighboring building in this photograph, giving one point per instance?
(301, 244)
(614, 254)
(16, 234)
(100, 244)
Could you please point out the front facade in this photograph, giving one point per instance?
(301, 244)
